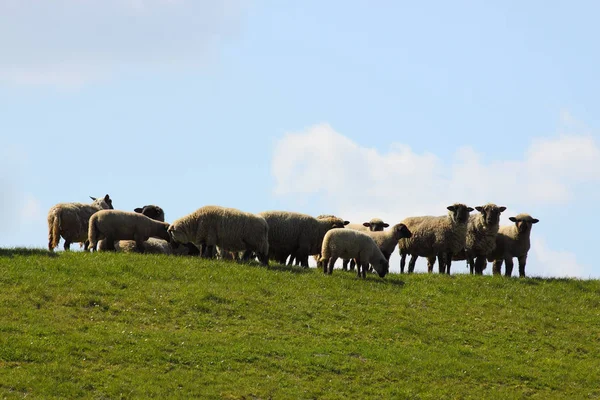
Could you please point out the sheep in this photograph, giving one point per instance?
(387, 240)
(440, 237)
(152, 211)
(113, 225)
(374, 225)
(481, 237)
(228, 228)
(348, 243)
(512, 241)
(296, 234)
(70, 220)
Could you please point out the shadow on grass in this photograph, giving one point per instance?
(288, 268)
(19, 251)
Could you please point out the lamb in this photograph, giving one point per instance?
(348, 243)
(113, 225)
(374, 225)
(512, 241)
(228, 228)
(387, 241)
(481, 236)
(440, 237)
(296, 234)
(70, 220)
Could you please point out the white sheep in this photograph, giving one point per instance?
(440, 237)
(70, 220)
(228, 228)
(512, 241)
(348, 243)
(116, 225)
(374, 225)
(481, 237)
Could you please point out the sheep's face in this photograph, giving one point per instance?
(151, 211)
(105, 203)
(491, 213)
(177, 234)
(524, 222)
(401, 231)
(376, 225)
(164, 232)
(382, 267)
(459, 213)
(338, 223)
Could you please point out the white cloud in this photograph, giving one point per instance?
(72, 42)
(552, 263)
(359, 183)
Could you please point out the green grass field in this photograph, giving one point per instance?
(107, 326)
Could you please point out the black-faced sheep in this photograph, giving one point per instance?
(481, 237)
(348, 243)
(296, 234)
(228, 228)
(374, 225)
(70, 220)
(440, 237)
(512, 241)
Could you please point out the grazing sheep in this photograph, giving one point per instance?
(374, 225)
(512, 241)
(296, 234)
(348, 243)
(481, 237)
(440, 237)
(228, 228)
(70, 220)
(115, 225)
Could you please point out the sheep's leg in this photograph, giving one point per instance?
(448, 263)
(332, 261)
(345, 265)
(411, 263)
(471, 264)
(358, 267)
(441, 264)
(365, 268)
(86, 245)
(402, 262)
(509, 267)
(352, 264)
(479, 265)
(497, 267)
(67, 245)
(325, 264)
(291, 261)
(522, 261)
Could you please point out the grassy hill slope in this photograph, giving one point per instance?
(137, 326)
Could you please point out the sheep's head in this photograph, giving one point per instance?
(524, 222)
(152, 211)
(376, 225)
(382, 267)
(459, 213)
(177, 233)
(164, 231)
(491, 213)
(105, 203)
(333, 220)
(401, 231)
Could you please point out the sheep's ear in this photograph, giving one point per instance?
(106, 198)
(501, 209)
(479, 208)
(513, 219)
(451, 208)
(386, 225)
(346, 222)
(367, 224)
(535, 221)
(138, 210)
(93, 198)
(469, 209)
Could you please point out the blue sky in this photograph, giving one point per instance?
(362, 109)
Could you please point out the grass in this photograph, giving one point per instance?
(107, 326)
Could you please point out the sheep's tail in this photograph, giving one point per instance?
(92, 233)
(53, 229)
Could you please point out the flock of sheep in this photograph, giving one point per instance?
(229, 233)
